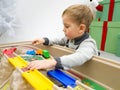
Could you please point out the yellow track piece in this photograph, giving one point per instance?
(18, 62)
(37, 80)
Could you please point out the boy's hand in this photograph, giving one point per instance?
(41, 64)
(38, 41)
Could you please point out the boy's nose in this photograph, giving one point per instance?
(63, 30)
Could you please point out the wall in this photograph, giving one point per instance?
(39, 18)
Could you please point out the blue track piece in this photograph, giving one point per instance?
(62, 77)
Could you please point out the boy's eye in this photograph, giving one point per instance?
(66, 26)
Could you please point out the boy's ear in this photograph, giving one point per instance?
(82, 28)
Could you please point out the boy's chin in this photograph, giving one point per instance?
(69, 38)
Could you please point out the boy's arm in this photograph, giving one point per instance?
(84, 53)
(57, 41)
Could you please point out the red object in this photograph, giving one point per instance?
(105, 24)
(104, 35)
(98, 19)
(99, 7)
(111, 10)
(9, 51)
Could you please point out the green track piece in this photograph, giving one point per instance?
(32, 57)
(92, 84)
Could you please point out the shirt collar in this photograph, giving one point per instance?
(78, 40)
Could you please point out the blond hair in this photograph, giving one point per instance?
(81, 14)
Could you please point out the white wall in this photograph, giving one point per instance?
(39, 18)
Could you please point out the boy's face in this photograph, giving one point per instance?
(71, 28)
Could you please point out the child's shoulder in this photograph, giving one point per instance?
(90, 39)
